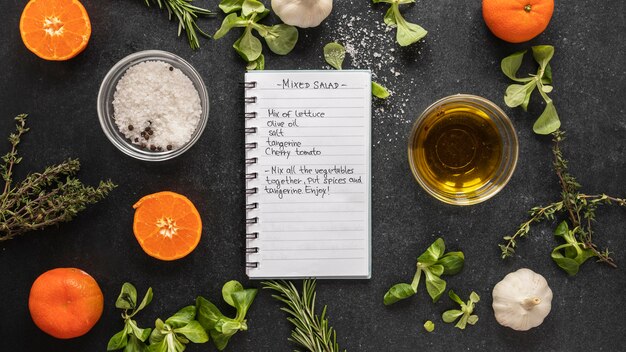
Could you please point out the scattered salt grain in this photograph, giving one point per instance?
(156, 106)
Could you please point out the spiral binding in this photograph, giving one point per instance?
(251, 175)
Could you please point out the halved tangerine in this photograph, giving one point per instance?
(55, 29)
(167, 225)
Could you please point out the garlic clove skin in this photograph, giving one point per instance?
(522, 300)
(302, 13)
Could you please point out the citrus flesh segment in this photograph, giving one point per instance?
(167, 225)
(55, 29)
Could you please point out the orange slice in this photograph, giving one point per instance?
(55, 29)
(167, 225)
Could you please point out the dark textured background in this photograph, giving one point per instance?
(458, 55)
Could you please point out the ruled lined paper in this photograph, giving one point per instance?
(312, 213)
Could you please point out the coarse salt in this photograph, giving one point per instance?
(156, 106)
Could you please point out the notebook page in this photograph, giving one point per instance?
(313, 137)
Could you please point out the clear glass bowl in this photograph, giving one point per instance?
(508, 152)
(105, 104)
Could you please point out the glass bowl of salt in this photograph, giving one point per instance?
(153, 105)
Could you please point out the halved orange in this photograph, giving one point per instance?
(167, 225)
(55, 29)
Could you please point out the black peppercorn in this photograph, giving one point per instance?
(169, 147)
(160, 149)
(152, 147)
(130, 127)
(171, 68)
(136, 140)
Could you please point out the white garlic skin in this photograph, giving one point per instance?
(522, 300)
(302, 13)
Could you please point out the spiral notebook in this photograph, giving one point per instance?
(308, 149)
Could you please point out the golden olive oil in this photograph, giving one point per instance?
(457, 149)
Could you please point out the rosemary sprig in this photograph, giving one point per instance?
(579, 207)
(186, 13)
(42, 199)
(311, 331)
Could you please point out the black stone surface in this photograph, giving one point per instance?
(458, 55)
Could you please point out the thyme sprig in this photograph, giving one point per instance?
(42, 199)
(311, 331)
(579, 207)
(186, 13)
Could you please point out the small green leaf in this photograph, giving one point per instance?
(452, 262)
(219, 340)
(474, 297)
(334, 54)
(433, 253)
(450, 316)
(543, 54)
(282, 38)
(228, 289)
(147, 298)
(229, 326)
(194, 332)
(472, 319)
(258, 64)
(243, 300)
(118, 341)
(546, 89)
(390, 18)
(128, 297)
(453, 296)
(429, 326)
(229, 6)
(248, 46)
(462, 323)
(435, 286)
(141, 334)
(379, 91)
(561, 230)
(208, 313)
(182, 317)
(398, 292)
(547, 75)
(229, 22)
(252, 6)
(516, 94)
(409, 33)
(435, 269)
(135, 345)
(511, 64)
(548, 122)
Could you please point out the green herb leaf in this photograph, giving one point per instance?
(379, 91)
(208, 313)
(465, 313)
(228, 289)
(409, 33)
(334, 54)
(229, 6)
(452, 262)
(248, 46)
(258, 64)
(135, 345)
(127, 298)
(219, 340)
(186, 13)
(517, 94)
(282, 38)
(450, 316)
(429, 326)
(390, 18)
(118, 341)
(398, 292)
(433, 252)
(252, 6)
(147, 298)
(243, 300)
(182, 317)
(548, 122)
(434, 285)
(231, 21)
(141, 334)
(543, 54)
(194, 332)
(511, 64)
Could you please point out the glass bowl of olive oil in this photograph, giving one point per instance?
(463, 149)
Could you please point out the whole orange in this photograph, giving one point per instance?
(65, 302)
(517, 21)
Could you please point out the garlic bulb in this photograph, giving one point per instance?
(302, 13)
(522, 300)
